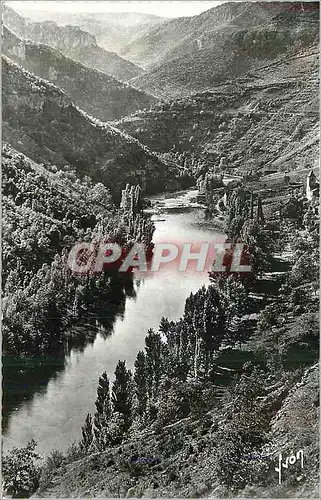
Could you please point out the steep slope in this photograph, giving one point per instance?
(184, 36)
(268, 117)
(44, 212)
(73, 42)
(98, 58)
(42, 122)
(180, 460)
(113, 30)
(204, 60)
(99, 94)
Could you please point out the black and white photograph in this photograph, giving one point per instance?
(160, 249)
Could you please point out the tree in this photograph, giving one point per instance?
(140, 385)
(122, 393)
(153, 348)
(173, 403)
(205, 320)
(214, 322)
(270, 317)
(233, 294)
(257, 246)
(238, 211)
(244, 432)
(102, 402)
(87, 434)
(252, 207)
(103, 411)
(260, 215)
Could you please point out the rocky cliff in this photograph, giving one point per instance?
(113, 30)
(195, 54)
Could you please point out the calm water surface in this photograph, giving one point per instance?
(53, 416)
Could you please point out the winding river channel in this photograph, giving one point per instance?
(54, 412)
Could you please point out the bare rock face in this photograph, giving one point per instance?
(61, 37)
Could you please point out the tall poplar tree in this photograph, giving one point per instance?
(87, 434)
(103, 412)
(153, 348)
(140, 383)
(122, 393)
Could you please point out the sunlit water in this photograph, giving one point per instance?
(54, 416)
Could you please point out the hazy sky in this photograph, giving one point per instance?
(164, 8)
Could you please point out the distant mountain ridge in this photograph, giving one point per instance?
(189, 55)
(181, 36)
(73, 42)
(41, 121)
(113, 30)
(99, 94)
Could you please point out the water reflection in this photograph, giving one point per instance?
(24, 377)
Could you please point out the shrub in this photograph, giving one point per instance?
(74, 453)
(20, 472)
(55, 459)
(242, 436)
(134, 469)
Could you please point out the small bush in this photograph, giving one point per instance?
(134, 469)
(74, 453)
(55, 459)
(20, 473)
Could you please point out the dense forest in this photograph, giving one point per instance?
(180, 360)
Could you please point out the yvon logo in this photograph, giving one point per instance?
(290, 460)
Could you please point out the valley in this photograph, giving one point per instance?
(41, 121)
(72, 390)
(133, 128)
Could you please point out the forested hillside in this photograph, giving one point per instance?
(206, 404)
(95, 92)
(41, 121)
(216, 395)
(73, 42)
(45, 211)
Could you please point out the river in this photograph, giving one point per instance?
(54, 414)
